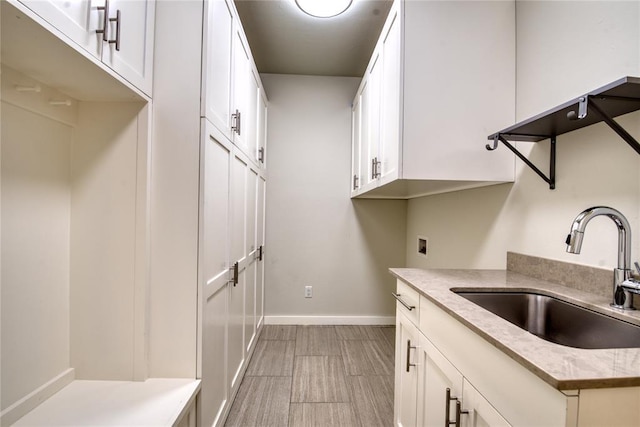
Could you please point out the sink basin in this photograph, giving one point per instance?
(557, 321)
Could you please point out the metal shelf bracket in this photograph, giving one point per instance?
(551, 179)
(600, 105)
(587, 103)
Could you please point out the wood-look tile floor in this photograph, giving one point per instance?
(318, 376)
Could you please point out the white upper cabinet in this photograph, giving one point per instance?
(262, 129)
(118, 33)
(129, 46)
(355, 145)
(232, 90)
(371, 135)
(440, 79)
(390, 101)
(78, 20)
(217, 74)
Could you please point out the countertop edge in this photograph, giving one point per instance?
(561, 384)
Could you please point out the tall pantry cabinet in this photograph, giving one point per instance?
(209, 152)
(75, 213)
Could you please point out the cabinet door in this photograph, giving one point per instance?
(437, 375)
(367, 156)
(239, 259)
(252, 262)
(215, 244)
(356, 179)
(406, 378)
(130, 49)
(480, 412)
(390, 99)
(242, 90)
(371, 126)
(250, 117)
(262, 129)
(78, 20)
(218, 63)
(260, 241)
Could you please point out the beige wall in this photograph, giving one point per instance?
(564, 49)
(316, 235)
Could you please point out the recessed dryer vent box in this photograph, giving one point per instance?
(422, 246)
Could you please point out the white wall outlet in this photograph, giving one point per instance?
(308, 291)
(423, 246)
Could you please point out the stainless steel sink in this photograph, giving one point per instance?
(557, 321)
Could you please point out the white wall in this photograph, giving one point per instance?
(316, 235)
(564, 49)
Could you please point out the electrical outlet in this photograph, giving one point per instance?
(308, 291)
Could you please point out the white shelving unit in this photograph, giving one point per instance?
(75, 208)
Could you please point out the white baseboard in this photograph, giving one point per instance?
(28, 403)
(330, 320)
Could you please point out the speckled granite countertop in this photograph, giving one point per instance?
(564, 368)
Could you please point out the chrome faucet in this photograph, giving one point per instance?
(622, 295)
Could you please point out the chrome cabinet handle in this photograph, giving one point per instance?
(409, 347)
(105, 20)
(375, 168)
(407, 306)
(117, 20)
(459, 412)
(235, 119)
(355, 182)
(447, 410)
(235, 272)
(261, 154)
(105, 25)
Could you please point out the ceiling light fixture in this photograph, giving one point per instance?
(323, 8)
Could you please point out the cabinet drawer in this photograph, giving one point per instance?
(407, 301)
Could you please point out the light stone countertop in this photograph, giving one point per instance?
(564, 368)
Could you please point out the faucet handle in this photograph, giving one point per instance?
(637, 266)
(631, 285)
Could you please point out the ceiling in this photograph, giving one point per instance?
(285, 40)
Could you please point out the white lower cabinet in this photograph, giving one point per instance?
(216, 157)
(440, 362)
(231, 238)
(445, 397)
(430, 391)
(480, 413)
(406, 381)
(439, 386)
